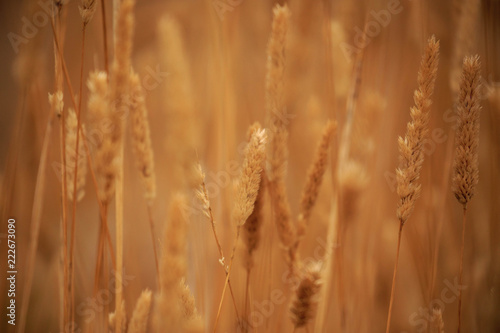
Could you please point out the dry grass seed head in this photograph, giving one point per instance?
(87, 10)
(251, 228)
(101, 124)
(304, 303)
(411, 147)
(250, 177)
(466, 165)
(141, 138)
(75, 157)
(140, 316)
(315, 177)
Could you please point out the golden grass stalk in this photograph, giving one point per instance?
(99, 110)
(248, 188)
(141, 138)
(175, 306)
(181, 128)
(57, 47)
(104, 35)
(252, 226)
(202, 195)
(75, 157)
(113, 319)
(278, 121)
(56, 105)
(304, 303)
(466, 164)
(100, 114)
(437, 324)
(121, 68)
(411, 148)
(314, 179)
(143, 150)
(140, 315)
(249, 181)
(353, 180)
(87, 9)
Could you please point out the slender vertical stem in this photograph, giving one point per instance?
(461, 269)
(246, 294)
(104, 35)
(100, 268)
(228, 283)
(119, 241)
(77, 153)
(153, 233)
(221, 253)
(394, 278)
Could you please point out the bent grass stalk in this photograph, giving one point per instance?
(247, 194)
(207, 209)
(411, 149)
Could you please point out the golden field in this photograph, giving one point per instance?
(250, 166)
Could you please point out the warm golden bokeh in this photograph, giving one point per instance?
(251, 165)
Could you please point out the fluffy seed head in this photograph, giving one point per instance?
(411, 150)
(466, 165)
(304, 303)
(87, 10)
(141, 138)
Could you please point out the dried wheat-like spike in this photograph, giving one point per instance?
(73, 157)
(173, 268)
(278, 119)
(250, 177)
(140, 316)
(87, 10)
(353, 180)
(314, 178)
(304, 303)
(411, 147)
(202, 195)
(437, 324)
(141, 138)
(175, 305)
(112, 319)
(251, 228)
(187, 302)
(466, 168)
(182, 130)
(340, 61)
(105, 149)
(120, 70)
(56, 102)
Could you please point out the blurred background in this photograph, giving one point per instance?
(204, 88)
